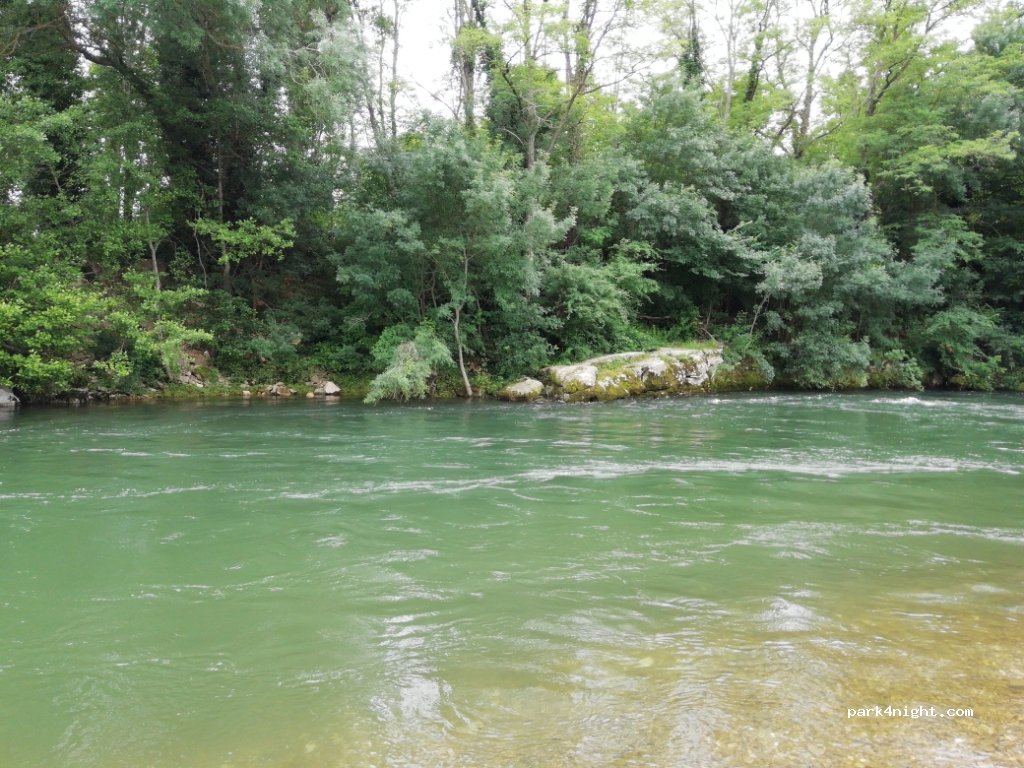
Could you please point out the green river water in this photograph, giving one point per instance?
(696, 582)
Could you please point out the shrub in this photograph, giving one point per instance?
(412, 364)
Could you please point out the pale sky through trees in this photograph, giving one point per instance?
(427, 28)
(426, 54)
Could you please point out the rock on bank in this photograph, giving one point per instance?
(670, 370)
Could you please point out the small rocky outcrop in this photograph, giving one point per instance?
(194, 369)
(280, 389)
(7, 398)
(76, 396)
(324, 388)
(190, 379)
(670, 370)
(522, 390)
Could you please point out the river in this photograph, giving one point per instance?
(701, 583)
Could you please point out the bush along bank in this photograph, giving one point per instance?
(674, 370)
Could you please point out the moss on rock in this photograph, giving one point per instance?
(670, 370)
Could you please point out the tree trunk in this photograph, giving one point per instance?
(457, 320)
(458, 345)
(465, 62)
(153, 245)
(532, 129)
(393, 84)
(220, 215)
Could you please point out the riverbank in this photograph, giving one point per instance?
(615, 372)
(354, 389)
(682, 370)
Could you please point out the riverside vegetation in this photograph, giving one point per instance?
(236, 192)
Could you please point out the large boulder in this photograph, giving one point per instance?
(522, 390)
(573, 378)
(7, 398)
(331, 389)
(669, 370)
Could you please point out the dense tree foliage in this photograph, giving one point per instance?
(834, 191)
